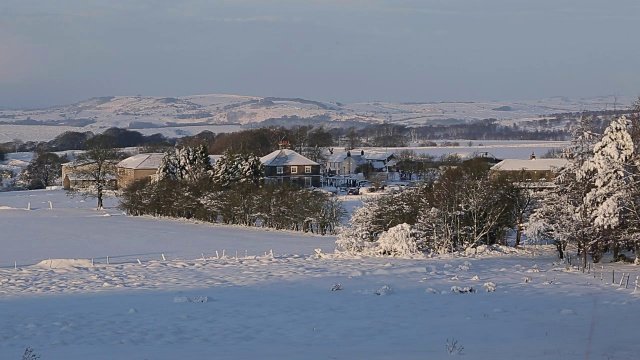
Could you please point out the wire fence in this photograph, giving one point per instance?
(142, 258)
(621, 277)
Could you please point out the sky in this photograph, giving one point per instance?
(55, 52)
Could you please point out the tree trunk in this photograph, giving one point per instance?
(99, 196)
(519, 230)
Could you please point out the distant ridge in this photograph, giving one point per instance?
(155, 112)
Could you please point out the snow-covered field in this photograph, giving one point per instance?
(505, 149)
(273, 300)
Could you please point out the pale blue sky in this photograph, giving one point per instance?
(62, 51)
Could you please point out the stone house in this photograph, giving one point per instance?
(287, 166)
(137, 167)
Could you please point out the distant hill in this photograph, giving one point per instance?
(154, 113)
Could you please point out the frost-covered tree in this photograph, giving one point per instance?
(609, 166)
(473, 206)
(553, 221)
(632, 203)
(400, 240)
(185, 164)
(564, 213)
(364, 227)
(437, 230)
(232, 169)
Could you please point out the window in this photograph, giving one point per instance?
(279, 170)
(294, 169)
(307, 181)
(307, 169)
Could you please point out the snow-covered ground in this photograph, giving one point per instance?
(273, 300)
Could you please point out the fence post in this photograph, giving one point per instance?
(613, 277)
(626, 284)
(636, 289)
(601, 272)
(107, 259)
(621, 279)
(164, 258)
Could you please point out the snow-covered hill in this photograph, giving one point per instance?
(191, 114)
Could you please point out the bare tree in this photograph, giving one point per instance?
(97, 165)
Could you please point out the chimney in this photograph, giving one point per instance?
(533, 156)
(284, 144)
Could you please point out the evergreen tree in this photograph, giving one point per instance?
(610, 168)
(185, 164)
(232, 169)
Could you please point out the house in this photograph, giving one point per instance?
(348, 162)
(73, 179)
(381, 161)
(143, 166)
(533, 170)
(137, 167)
(287, 166)
(344, 162)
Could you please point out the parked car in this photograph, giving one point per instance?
(353, 191)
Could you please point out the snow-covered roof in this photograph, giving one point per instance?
(337, 156)
(285, 157)
(529, 164)
(340, 156)
(142, 161)
(377, 155)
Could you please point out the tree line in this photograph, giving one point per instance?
(232, 191)
(592, 204)
(463, 208)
